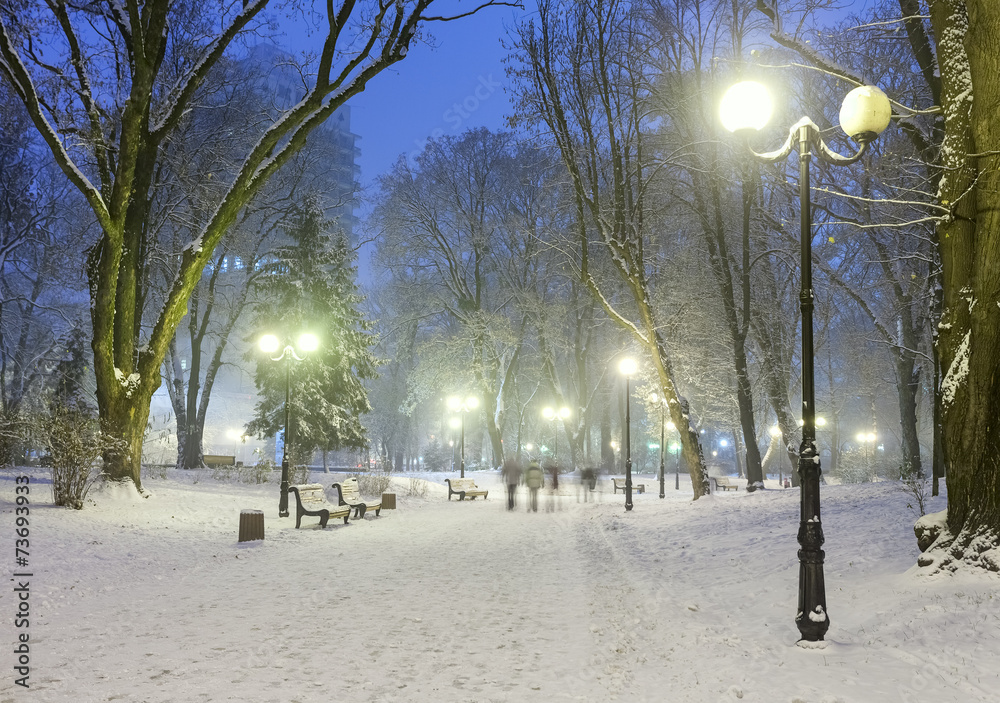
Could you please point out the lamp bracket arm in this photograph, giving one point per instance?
(836, 159)
(825, 152)
(782, 152)
(289, 350)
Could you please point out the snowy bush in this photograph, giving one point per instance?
(154, 471)
(12, 431)
(74, 441)
(418, 488)
(373, 484)
(264, 471)
(916, 487)
(298, 474)
(858, 466)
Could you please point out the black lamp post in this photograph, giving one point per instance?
(460, 406)
(552, 414)
(674, 449)
(864, 115)
(269, 344)
(627, 368)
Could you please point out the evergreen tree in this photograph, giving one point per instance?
(71, 374)
(309, 286)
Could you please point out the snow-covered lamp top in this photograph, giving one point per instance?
(865, 113)
(746, 105)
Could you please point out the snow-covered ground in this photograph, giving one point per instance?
(152, 599)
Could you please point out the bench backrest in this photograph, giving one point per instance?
(620, 482)
(462, 484)
(311, 494)
(350, 490)
(720, 481)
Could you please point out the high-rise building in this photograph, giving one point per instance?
(333, 149)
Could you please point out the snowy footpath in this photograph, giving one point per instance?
(153, 600)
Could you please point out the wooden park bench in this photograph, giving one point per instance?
(310, 499)
(463, 487)
(349, 494)
(213, 461)
(619, 483)
(725, 484)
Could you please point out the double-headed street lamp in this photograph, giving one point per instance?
(627, 367)
(865, 113)
(269, 344)
(458, 405)
(552, 415)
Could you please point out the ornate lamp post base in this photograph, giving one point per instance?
(811, 617)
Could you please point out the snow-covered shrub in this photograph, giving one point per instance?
(13, 431)
(298, 474)
(373, 484)
(916, 487)
(226, 474)
(858, 466)
(154, 471)
(74, 441)
(418, 488)
(255, 473)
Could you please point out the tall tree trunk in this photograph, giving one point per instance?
(907, 387)
(969, 240)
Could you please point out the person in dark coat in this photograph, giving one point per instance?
(511, 477)
(552, 469)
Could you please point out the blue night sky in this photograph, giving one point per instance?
(458, 85)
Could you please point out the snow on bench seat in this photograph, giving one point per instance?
(310, 499)
(463, 487)
(619, 484)
(349, 493)
(725, 484)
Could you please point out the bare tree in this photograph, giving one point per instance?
(580, 75)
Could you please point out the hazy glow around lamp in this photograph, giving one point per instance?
(268, 343)
(308, 342)
(746, 106)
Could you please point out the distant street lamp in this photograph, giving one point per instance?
(776, 432)
(552, 415)
(866, 439)
(675, 449)
(269, 344)
(656, 399)
(456, 404)
(238, 437)
(627, 367)
(865, 113)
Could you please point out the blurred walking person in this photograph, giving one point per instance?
(533, 479)
(511, 477)
(552, 469)
(588, 479)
